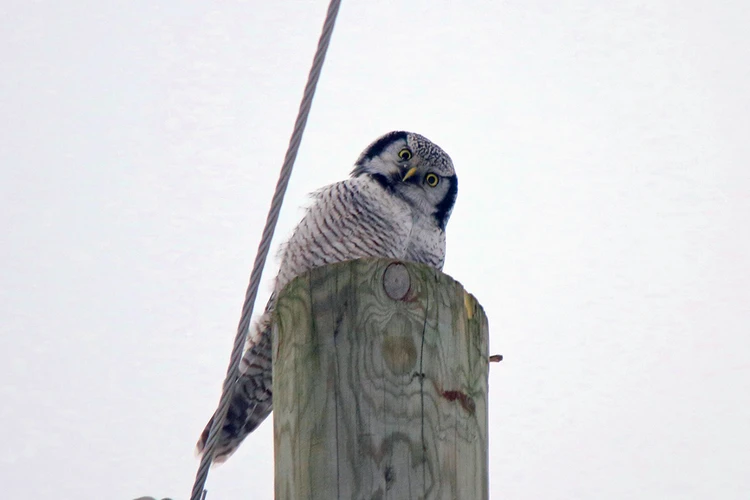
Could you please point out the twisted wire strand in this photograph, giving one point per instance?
(263, 247)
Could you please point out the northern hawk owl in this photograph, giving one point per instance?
(396, 204)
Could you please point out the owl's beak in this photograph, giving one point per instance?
(409, 173)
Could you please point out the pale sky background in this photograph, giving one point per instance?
(603, 221)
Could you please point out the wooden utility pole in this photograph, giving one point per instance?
(380, 385)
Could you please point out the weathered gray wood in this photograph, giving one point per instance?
(378, 397)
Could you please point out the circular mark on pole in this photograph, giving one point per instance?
(396, 281)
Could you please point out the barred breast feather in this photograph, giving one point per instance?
(350, 219)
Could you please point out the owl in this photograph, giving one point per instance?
(395, 204)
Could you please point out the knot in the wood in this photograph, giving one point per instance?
(396, 281)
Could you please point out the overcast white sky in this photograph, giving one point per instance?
(603, 221)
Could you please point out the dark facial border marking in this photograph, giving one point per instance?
(444, 208)
(379, 145)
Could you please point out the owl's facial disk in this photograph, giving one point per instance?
(413, 168)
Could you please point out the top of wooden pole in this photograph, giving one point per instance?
(380, 385)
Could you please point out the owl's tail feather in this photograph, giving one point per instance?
(252, 400)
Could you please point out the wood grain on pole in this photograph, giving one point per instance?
(380, 385)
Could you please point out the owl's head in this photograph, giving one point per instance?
(413, 168)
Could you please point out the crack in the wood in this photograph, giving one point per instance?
(336, 394)
(389, 477)
(340, 319)
(421, 376)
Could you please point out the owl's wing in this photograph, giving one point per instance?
(251, 401)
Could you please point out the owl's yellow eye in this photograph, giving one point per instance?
(431, 180)
(405, 154)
